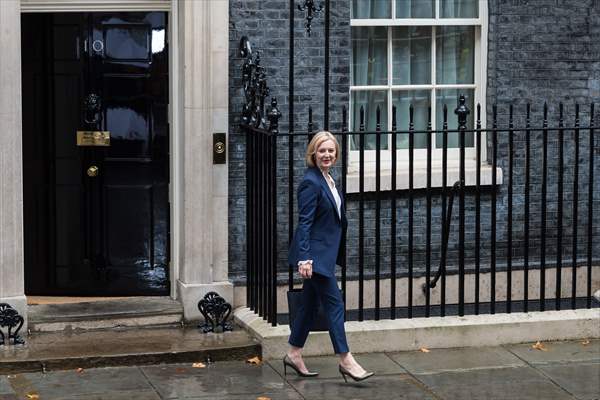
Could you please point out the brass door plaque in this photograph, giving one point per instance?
(93, 138)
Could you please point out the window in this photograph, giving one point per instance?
(419, 52)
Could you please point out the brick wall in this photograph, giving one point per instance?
(538, 50)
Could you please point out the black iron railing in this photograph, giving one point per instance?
(270, 217)
(531, 240)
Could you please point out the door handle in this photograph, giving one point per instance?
(92, 171)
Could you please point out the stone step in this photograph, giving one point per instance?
(118, 347)
(105, 314)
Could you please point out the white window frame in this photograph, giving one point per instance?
(420, 155)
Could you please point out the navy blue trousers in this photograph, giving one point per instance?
(320, 287)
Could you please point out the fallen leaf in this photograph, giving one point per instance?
(424, 350)
(33, 396)
(198, 365)
(254, 360)
(585, 342)
(263, 398)
(79, 370)
(539, 346)
(179, 370)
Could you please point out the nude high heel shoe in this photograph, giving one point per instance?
(356, 378)
(288, 363)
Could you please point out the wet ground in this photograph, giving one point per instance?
(554, 370)
(124, 347)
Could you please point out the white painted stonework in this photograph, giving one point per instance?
(202, 248)
(435, 332)
(199, 108)
(11, 178)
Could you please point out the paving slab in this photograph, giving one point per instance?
(582, 379)
(223, 379)
(126, 395)
(73, 384)
(103, 348)
(558, 351)
(5, 386)
(514, 383)
(286, 394)
(327, 366)
(387, 387)
(441, 360)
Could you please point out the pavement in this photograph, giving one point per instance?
(549, 371)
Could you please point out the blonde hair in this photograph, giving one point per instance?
(314, 144)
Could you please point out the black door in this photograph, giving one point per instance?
(96, 211)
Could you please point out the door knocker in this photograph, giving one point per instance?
(92, 106)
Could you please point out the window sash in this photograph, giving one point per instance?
(437, 20)
(478, 87)
(417, 22)
(391, 88)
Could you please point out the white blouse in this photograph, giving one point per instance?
(335, 193)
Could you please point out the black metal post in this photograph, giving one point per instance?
(261, 230)
(510, 213)
(249, 220)
(543, 213)
(274, 229)
(393, 222)
(255, 223)
(361, 216)
(493, 210)
(377, 211)
(526, 222)
(411, 160)
(590, 209)
(269, 266)
(461, 111)
(344, 190)
(428, 217)
(478, 209)
(444, 195)
(560, 208)
(291, 141)
(575, 210)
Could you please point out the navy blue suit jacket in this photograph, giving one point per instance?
(319, 232)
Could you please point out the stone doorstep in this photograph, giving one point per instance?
(105, 314)
(123, 347)
(107, 323)
(434, 332)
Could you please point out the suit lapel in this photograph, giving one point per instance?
(325, 187)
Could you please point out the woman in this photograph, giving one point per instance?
(315, 250)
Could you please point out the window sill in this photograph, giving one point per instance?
(420, 178)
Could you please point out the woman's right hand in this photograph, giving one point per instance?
(305, 269)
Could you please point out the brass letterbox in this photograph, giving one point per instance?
(93, 138)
